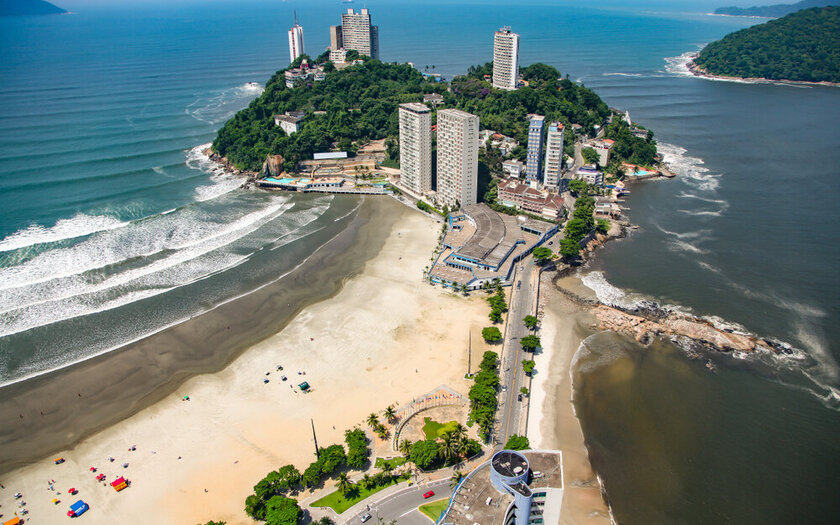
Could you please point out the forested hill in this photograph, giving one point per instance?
(803, 46)
(359, 103)
(773, 11)
(28, 7)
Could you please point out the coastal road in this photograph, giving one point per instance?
(401, 506)
(522, 303)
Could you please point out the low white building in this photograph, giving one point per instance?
(289, 123)
(513, 168)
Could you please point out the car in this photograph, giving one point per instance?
(519, 397)
(429, 494)
(366, 517)
(521, 267)
(504, 388)
(518, 285)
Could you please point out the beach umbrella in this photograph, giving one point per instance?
(73, 491)
(93, 469)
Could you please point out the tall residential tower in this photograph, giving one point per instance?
(457, 163)
(533, 168)
(295, 41)
(416, 147)
(505, 59)
(357, 33)
(553, 155)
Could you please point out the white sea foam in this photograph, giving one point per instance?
(702, 213)
(690, 169)
(678, 65)
(619, 74)
(219, 107)
(78, 226)
(607, 293)
(221, 182)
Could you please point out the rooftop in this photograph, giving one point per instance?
(416, 107)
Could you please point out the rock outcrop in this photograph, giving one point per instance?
(273, 166)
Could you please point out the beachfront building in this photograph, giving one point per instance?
(514, 194)
(356, 33)
(482, 245)
(533, 168)
(295, 41)
(457, 166)
(553, 156)
(505, 59)
(416, 147)
(512, 488)
(603, 148)
(590, 175)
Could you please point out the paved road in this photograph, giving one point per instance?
(513, 378)
(402, 506)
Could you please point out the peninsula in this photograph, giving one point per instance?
(800, 47)
(771, 11)
(29, 8)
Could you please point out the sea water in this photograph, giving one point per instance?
(109, 210)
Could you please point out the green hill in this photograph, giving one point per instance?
(803, 46)
(773, 11)
(28, 7)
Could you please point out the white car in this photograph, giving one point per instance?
(366, 517)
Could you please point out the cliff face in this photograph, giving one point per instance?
(273, 166)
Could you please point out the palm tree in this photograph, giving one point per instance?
(449, 447)
(390, 413)
(455, 479)
(460, 431)
(373, 420)
(405, 447)
(344, 482)
(387, 469)
(366, 481)
(381, 431)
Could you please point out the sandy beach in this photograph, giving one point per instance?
(384, 338)
(553, 424)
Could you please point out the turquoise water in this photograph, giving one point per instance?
(113, 224)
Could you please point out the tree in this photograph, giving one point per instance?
(357, 449)
(603, 226)
(523, 391)
(255, 507)
(569, 248)
(373, 420)
(577, 186)
(542, 254)
(215, 523)
(530, 343)
(326, 521)
(528, 366)
(281, 510)
(390, 413)
(590, 156)
(449, 447)
(425, 454)
(456, 478)
(517, 442)
(491, 334)
(388, 470)
(531, 321)
(405, 447)
(343, 482)
(367, 481)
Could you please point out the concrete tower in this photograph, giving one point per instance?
(416, 147)
(505, 59)
(457, 165)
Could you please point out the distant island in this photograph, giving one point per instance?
(29, 7)
(801, 47)
(773, 11)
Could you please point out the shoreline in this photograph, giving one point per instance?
(82, 399)
(699, 72)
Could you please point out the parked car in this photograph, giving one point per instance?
(519, 397)
(366, 517)
(429, 494)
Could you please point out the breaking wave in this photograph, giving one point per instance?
(78, 226)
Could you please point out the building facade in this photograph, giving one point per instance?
(553, 155)
(295, 41)
(533, 167)
(358, 34)
(457, 166)
(505, 59)
(336, 38)
(416, 147)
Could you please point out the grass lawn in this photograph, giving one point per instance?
(434, 509)
(340, 502)
(434, 430)
(395, 462)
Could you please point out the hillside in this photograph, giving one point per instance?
(28, 7)
(773, 11)
(359, 104)
(803, 46)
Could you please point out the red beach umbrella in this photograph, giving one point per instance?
(93, 469)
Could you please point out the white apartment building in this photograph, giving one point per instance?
(505, 59)
(553, 155)
(358, 34)
(457, 162)
(295, 41)
(416, 147)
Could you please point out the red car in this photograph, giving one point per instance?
(429, 494)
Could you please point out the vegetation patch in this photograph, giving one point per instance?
(393, 462)
(433, 430)
(434, 509)
(357, 492)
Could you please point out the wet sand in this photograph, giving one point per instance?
(61, 408)
(563, 326)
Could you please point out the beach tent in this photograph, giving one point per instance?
(78, 508)
(119, 483)
(13, 521)
(58, 461)
(304, 386)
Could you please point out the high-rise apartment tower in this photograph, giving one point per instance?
(416, 147)
(533, 167)
(553, 155)
(358, 34)
(457, 162)
(505, 59)
(295, 41)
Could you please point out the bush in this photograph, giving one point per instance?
(602, 226)
(491, 334)
(357, 449)
(425, 454)
(516, 442)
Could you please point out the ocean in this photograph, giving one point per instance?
(114, 225)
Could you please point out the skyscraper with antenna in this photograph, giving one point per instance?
(295, 41)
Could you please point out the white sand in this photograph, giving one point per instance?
(385, 338)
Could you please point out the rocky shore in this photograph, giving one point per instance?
(698, 71)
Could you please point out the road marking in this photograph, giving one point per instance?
(409, 512)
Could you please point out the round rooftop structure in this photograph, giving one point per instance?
(508, 468)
